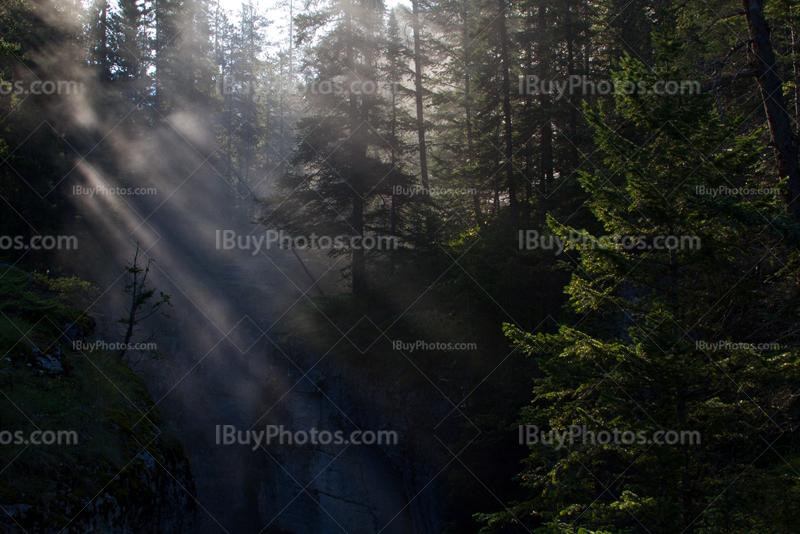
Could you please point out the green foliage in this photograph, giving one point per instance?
(633, 362)
(621, 354)
(36, 297)
(100, 400)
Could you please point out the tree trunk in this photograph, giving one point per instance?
(512, 190)
(393, 220)
(783, 142)
(476, 199)
(423, 153)
(106, 75)
(547, 129)
(359, 154)
(795, 69)
(529, 121)
(159, 68)
(132, 312)
(573, 115)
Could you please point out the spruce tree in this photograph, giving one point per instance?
(668, 339)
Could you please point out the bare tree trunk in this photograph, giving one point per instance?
(547, 129)
(529, 121)
(104, 42)
(291, 44)
(512, 190)
(359, 155)
(795, 69)
(496, 207)
(157, 93)
(573, 116)
(783, 141)
(476, 199)
(393, 221)
(423, 152)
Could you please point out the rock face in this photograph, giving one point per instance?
(312, 487)
(121, 469)
(162, 504)
(144, 499)
(364, 489)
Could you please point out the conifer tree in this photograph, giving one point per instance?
(659, 339)
(342, 169)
